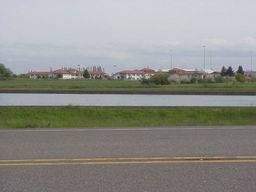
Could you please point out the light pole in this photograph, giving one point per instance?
(210, 59)
(204, 55)
(251, 60)
(171, 59)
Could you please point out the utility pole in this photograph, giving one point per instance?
(204, 55)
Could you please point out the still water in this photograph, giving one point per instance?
(125, 100)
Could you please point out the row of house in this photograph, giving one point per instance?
(145, 73)
(178, 73)
(66, 74)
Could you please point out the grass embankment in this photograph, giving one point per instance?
(114, 85)
(70, 117)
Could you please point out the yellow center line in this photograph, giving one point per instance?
(129, 158)
(130, 162)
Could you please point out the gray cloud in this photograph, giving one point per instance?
(129, 34)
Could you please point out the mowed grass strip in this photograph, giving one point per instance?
(75, 117)
(78, 84)
(112, 85)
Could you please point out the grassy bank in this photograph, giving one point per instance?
(70, 117)
(112, 85)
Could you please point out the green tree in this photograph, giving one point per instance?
(145, 81)
(5, 72)
(240, 77)
(86, 74)
(219, 79)
(240, 70)
(161, 79)
(23, 76)
(230, 71)
(223, 71)
(59, 76)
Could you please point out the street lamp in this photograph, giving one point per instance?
(210, 59)
(204, 55)
(171, 59)
(251, 61)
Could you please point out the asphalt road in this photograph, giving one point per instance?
(128, 159)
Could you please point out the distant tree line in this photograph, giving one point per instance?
(92, 68)
(230, 72)
(239, 75)
(95, 69)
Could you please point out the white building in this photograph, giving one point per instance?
(66, 74)
(145, 73)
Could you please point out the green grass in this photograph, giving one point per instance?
(112, 85)
(68, 84)
(72, 117)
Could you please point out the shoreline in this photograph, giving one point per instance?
(132, 92)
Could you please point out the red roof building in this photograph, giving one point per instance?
(144, 73)
(182, 71)
(66, 74)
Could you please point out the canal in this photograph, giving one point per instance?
(14, 99)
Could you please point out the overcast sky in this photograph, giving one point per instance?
(126, 34)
